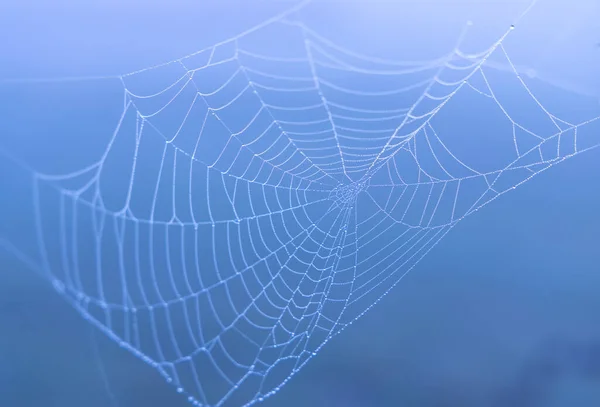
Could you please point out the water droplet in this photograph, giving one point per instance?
(58, 285)
(179, 390)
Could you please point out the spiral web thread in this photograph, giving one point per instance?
(249, 207)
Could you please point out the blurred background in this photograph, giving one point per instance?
(504, 312)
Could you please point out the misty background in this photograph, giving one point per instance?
(504, 312)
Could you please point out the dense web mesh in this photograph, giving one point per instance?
(250, 206)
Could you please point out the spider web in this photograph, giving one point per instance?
(251, 206)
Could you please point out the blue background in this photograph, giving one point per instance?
(504, 312)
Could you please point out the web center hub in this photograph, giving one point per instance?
(346, 194)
